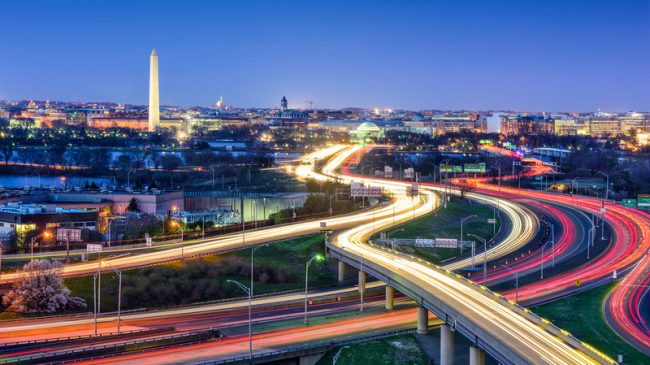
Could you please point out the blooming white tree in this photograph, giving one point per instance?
(40, 289)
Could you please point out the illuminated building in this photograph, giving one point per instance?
(528, 124)
(20, 218)
(604, 127)
(366, 132)
(570, 127)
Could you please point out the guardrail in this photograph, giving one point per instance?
(467, 330)
(22, 345)
(313, 348)
(112, 347)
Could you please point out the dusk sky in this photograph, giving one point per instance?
(519, 55)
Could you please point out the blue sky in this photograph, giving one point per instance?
(522, 55)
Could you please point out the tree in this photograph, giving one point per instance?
(139, 157)
(40, 289)
(171, 162)
(7, 148)
(156, 159)
(133, 206)
(123, 162)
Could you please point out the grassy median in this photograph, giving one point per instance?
(391, 350)
(278, 267)
(445, 223)
(581, 315)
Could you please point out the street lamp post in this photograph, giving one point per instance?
(212, 168)
(484, 241)
(177, 224)
(119, 295)
(541, 276)
(516, 282)
(95, 303)
(317, 257)
(606, 187)
(462, 222)
(247, 290)
(388, 236)
(499, 168)
(253, 250)
(33, 240)
(338, 354)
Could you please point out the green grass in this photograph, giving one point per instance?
(581, 315)
(289, 255)
(398, 350)
(445, 223)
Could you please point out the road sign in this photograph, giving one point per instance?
(388, 172)
(425, 242)
(445, 168)
(475, 167)
(457, 168)
(492, 221)
(446, 242)
(643, 201)
(147, 240)
(323, 225)
(603, 210)
(358, 190)
(68, 234)
(94, 247)
(409, 173)
(629, 203)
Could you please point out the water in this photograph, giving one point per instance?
(12, 181)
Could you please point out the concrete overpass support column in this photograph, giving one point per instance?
(390, 301)
(446, 345)
(362, 282)
(342, 266)
(476, 356)
(423, 321)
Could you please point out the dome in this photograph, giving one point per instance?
(368, 126)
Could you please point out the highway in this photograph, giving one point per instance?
(626, 307)
(509, 335)
(505, 323)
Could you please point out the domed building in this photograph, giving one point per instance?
(366, 132)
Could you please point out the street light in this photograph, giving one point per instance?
(212, 168)
(119, 294)
(462, 221)
(177, 224)
(253, 250)
(395, 231)
(516, 282)
(318, 257)
(338, 354)
(499, 168)
(606, 187)
(541, 276)
(484, 253)
(552, 240)
(45, 234)
(247, 290)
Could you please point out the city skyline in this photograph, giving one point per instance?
(576, 57)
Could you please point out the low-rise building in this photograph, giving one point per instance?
(526, 124)
(18, 217)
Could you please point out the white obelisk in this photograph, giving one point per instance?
(154, 97)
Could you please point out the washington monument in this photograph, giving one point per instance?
(154, 97)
